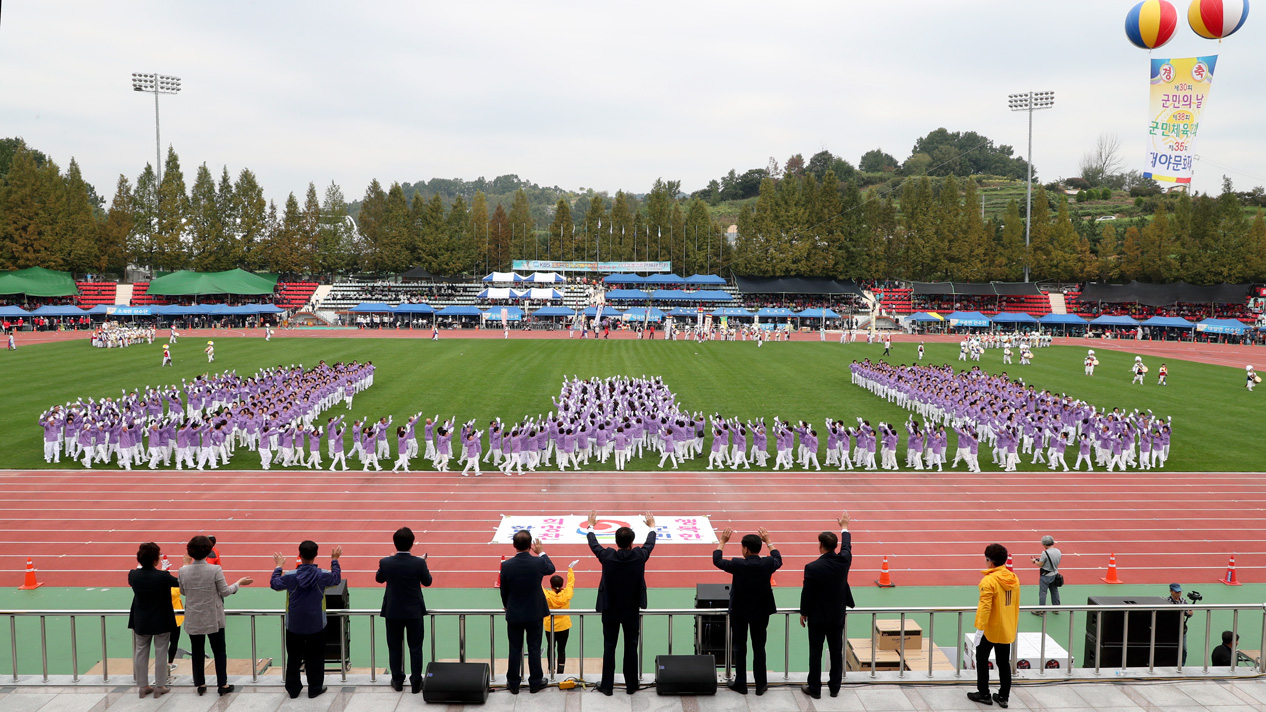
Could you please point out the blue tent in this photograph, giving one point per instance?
(503, 277)
(415, 309)
(371, 308)
(59, 310)
(663, 279)
(627, 294)
(669, 295)
(961, 318)
(817, 314)
(775, 312)
(732, 312)
(459, 311)
(1212, 326)
(512, 314)
(607, 311)
(267, 308)
(710, 295)
(1172, 322)
(1014, 318)
(554, 311)
(924, 317)
(111, 308)
(705, 279)
(683, 311)
(639, 314)
(1069, 319)
(623, 279)
(13, 311)
(1115, 321)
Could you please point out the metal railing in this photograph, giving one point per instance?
(904, 670)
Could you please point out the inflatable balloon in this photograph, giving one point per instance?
(1151, 24)
(1215, 19)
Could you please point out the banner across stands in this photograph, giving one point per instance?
(1180, 88)
(576, 266)
(570, 528)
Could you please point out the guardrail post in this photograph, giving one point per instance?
(282, 620)
(74, 652)
(373, 651)
(1041, 662)
(492, 644)
(254, 656)
(873, 643)
(729, 647)
(105, 655)
(13, 644)
(641, 649)
(1235, 638)
(1151, 647)
(1125, 641)
(1182, 639)
(44, 647)
(342, 647)
(931, 639)
(786, 647)
(582, 644)
(901, 647)
(670, 634)
(1099, 639)
(549, 649)
(1072, 616)
(1208, 623)
(958, 642)
(461, 638)
(432, 637)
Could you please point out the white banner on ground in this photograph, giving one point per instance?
(570, 528)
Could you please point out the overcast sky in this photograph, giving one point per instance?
(607, 95)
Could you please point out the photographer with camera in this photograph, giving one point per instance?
(1048, 577)
(1175, 597)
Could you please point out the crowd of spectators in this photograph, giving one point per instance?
(798, 302)
(1190, 312)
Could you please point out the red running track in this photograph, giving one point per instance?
(82, 527)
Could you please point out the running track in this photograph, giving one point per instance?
(82, 527)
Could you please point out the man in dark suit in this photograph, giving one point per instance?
(526, 609)
(822, 603)
(403, 608)
(751, 604)
(621, 596)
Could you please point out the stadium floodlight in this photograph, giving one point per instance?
(1030, 102)
(156, 84)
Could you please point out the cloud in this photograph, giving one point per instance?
(606, 95)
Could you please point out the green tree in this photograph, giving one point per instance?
(373, 206)
(1132, 254)
(1010, 258)
(143, 244)
(78, 223)
(250, 212)
(876, 161)
(173, 212)
(113, 232)
(479, 223)
(1064, 261)
(207, 238)
(561, 231)
(1255, 250)
(1109, 254)
(522, 228)
(28, 214)
(457, 256)
(499, 234)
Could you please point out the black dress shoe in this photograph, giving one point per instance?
(416, 687)
(397, 685)
(513, 690)
(316, 693)
(735, 688)
(535, 689)
(631, 689)
(814, 692)
(605, 690)
(1001, 702)
(982, 699)
(760, 689)
(835, 693)
(226, 690)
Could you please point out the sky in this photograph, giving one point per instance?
(601, 95)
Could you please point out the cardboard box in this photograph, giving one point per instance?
(888, 634)
(858, 653)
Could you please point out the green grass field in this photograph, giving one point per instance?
(1215, 420)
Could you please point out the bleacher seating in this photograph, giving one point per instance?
(896, 301)
(293, 295)
(140, 298)
(93, 293)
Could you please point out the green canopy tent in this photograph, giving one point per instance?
(234, 281)
(38, 282)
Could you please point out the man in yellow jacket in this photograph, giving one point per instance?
(997, 617)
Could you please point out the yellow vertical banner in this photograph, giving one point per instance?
(1180, 88)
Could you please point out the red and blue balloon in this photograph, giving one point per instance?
(1215, 19)
(1150, 24)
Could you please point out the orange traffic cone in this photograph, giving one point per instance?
(1230, 579)
(1010, 563)
(298, 560)
(1112, 571)
(166, 564)
(30, 584)
(773, 581)
(497, 583)
(885, 581)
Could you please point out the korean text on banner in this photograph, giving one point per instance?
(571, 529)
(1180, 88)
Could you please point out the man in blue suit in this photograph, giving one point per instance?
(823, 599)
(621, 596)
(751, 604)
(403, 608)
(526, 609)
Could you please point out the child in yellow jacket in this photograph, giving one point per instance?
(558, 595)
(997, 617)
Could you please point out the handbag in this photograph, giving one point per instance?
(1059, 578)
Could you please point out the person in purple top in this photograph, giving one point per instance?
(314, 449)
(334, 433)
(472, 445)
(402, 451)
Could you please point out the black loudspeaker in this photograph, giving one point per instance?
(685, 675)
(456, 683)
(337, 598)
(710, 630)
(1109, 636)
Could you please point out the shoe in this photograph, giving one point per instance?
(416, 687)
(631, 690)
(605, 690)
(145, 691)
(760, 689)
(313, 693)
(513, 690)
(160, 691)
(202, 690)
(835, 693)
(735, 688)
(171, 668)
(397, 685)
(225, 690)
(814, 692)
(982, 699)
(533, 690)
(1001, 702)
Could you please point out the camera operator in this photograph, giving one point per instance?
(1175, 597)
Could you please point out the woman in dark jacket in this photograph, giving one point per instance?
(151, 619)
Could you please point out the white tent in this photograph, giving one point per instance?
(503, 277)
(542, 293)
(545, 278)
(499, 293)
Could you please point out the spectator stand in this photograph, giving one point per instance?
(987, 298)
(799, 295)
(1166, 310)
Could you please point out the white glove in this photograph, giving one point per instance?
(572, 565)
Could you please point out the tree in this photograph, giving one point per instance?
(522, 228)
(373, 207)
(143, 245)
(1255, 250)
(794, 167)
(1132, 254)
(1109, 254)
(562, 231)
(479, 229)
(918, 164)
(336, 245)
(1102, 160)
(457, 251)
(499, 240)
(208, 248)
(595, 220)
(78, 224)
(113, 232)
(28, 214)
(1009, 261)
(876, 161)
(1064, 262)
(170, 251)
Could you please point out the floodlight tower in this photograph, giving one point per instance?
(158, 84)
(1030, 102)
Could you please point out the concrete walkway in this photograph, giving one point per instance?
(1155, 696)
